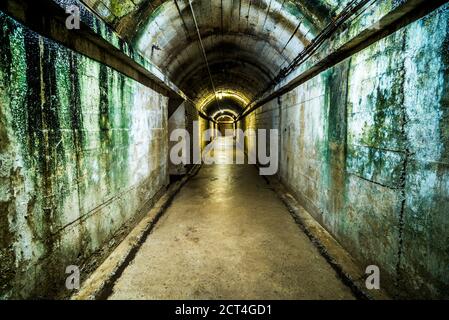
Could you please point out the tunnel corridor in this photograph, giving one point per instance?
(224, 149)
(228, 236)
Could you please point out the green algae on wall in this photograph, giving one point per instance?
(423, 261)
(83, 154)
(368, 156)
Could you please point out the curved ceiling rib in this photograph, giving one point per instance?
(246, 41)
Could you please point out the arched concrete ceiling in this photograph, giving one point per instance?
(247, 42)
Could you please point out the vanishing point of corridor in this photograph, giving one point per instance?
(227, 236)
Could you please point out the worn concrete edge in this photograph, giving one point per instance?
(341, 261)
(123, 47)
(47, 18)
(100, 284)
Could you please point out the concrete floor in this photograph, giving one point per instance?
(228, 236)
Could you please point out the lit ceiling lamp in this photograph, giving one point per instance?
(241, 98)
(220, 113)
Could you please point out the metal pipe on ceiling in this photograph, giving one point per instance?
(204, 55)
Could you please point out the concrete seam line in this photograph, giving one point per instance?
(349, 272)
(100, 283)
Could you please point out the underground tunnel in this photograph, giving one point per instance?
(224, 149)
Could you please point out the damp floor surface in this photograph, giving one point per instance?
(227, 236)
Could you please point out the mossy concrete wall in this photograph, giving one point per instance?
(365, 147)
(83, 153)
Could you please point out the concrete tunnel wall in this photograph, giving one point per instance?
(186, 118)
(83, 155)
(364, 146)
